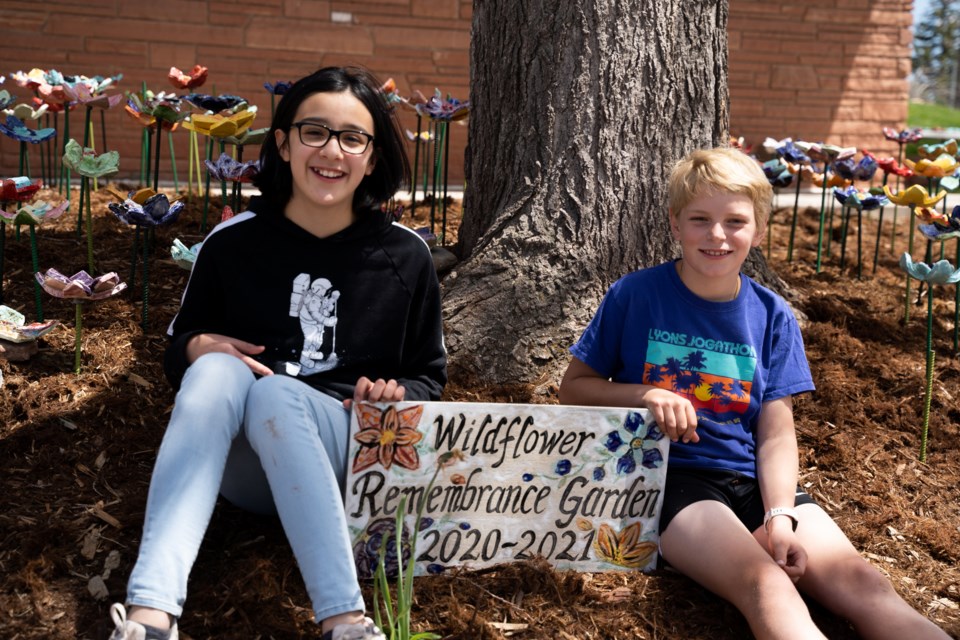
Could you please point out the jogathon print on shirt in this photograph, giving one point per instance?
(715, 375)
(315, 304)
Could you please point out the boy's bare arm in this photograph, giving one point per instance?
(777, 474)
(584, 386)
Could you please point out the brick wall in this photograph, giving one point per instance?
(830, 70)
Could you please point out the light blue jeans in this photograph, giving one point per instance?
(269, 445)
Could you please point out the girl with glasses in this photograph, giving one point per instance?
(308, 302)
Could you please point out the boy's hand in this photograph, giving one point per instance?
(379, 391)
(204, 343)
(785, 549)
(674, 414)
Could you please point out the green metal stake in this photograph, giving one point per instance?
(173, 163)
(36, 267)
(823, 210)
(78, 333)
(146, 278)
(89, 226)
(793, 224)
(906, 306)
(931, 356)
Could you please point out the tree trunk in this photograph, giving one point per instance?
(579, 108)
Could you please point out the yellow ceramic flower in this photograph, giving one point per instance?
(833, 181)
(945, 165)
(915, 196)
(219, 126)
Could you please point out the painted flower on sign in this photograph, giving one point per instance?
(188, 80)
(651, 458)
(624, 549)
(366, 549)
(387, 437)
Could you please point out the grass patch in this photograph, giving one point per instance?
(926, 115)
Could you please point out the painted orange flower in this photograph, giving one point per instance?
(625, 549)
(387, 437)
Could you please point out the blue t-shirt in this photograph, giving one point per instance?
(727, 358)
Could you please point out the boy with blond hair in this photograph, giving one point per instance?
(716, 358)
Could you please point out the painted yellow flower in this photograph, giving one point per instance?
(943, 166)
(915, 196)
(625, 549)
(220, 126)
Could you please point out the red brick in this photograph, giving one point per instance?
(434, 8)
(437, 38)
(310, 35)
(166, 11)
(794, 77)
(312, 9)
(128, 28)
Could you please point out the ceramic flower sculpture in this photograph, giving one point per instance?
(941, 272)
(852, 198)
(27, 112)
(80, 288)
(6, 99)
(195, 78)
(937, 149)
(903, 136)
(14, 327)
(940, 167)
(183, 255)
(278, 88)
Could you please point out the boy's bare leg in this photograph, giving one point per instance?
(707, 543)
(846, 584)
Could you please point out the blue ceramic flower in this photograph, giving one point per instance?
(792, 154)
(777, 173)
(450, 109)
(226, 168)
(563, 467)
(278, 88)
(16, 129)
(941, 272)
(863, 201)
(850, 170)
(215, 104)
(155, 212)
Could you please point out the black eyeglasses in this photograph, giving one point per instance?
(318, 135)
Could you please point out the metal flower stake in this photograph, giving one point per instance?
(797, 163)
(79, 288)
(912, 197)
(442, 112)
(827, 154)
(156, 210)
(851, 198)
(779, 176)
(32, 216)
(89, 165)
(13, 191)
(888, 166)
(902, 137)
(941, 272)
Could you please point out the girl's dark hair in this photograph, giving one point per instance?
(275, 181)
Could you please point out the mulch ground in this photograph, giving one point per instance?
(76, 453)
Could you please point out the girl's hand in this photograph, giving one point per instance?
(785, 549)
(379, 391)
(675, 414)
(204, 343)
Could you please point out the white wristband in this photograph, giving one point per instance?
(780, 511)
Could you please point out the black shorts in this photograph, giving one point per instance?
(738, 491)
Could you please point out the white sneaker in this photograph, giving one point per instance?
(365, 630)
(129, 630)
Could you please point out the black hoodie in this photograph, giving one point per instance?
(362, 302)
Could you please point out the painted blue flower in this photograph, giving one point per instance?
(155, 212)
(850, 170)
(941, 272)
(16, 129)
(598, 474)
(527, 477)
(464, 526)
(215, 104)
(777, 173)
(425, 523)
(563, 467)
(863, 201)
(435, 569)
(278, 88)
(627, 463)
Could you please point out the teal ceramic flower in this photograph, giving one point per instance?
(34, 214)
(183, 255)
(942, 272)
(862, 201)
(87, 163)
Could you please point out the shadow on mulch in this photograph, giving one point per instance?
(77, 453)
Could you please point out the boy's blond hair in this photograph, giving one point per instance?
(720, 170)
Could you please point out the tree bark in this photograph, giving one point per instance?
(579, 108)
